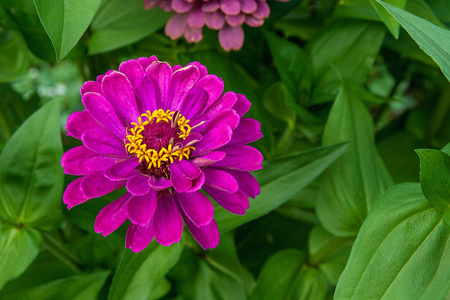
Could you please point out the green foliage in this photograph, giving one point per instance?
(345, 92)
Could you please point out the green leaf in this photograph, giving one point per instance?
(284, 276)
(18, 248)
(281, 179)
(401, 252)
(390, 22)
(350, 186)
(13, 51)
(119, 23)
(31, 177)
(347, 50)
(139, 274)
(274, 104)
(328, 253)
(435, 177)
(434, 40)
(294, 67)
(78, 287)
(65, 21)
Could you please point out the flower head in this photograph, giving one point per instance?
(226, 16)
(165, 133)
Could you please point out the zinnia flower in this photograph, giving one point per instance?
(164, 133)
(226, 16)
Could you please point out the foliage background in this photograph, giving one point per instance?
(345, 91)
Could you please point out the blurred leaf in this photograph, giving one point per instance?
(422, 9)
(435, 177)
(31, 177)
(119, 23)
(274, 104)
(345, 49)
(13, 112)
(139, 274)
(294, 67)
(390, 22)
(284, 276)
(434, 40)
(18, 248)
(328, 253)
(13, 51)
(65, 21)
(350, 186)
(78, 287)
(280, 179)
(47, 266)
(401, 252)
(441, 8)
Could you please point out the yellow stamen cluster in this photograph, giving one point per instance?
(154, 158)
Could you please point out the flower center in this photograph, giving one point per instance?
(156, 140)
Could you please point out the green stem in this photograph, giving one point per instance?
(60, 252)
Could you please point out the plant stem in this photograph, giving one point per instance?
(59, 251)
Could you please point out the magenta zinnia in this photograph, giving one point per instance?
(226, 16)
(165, 133)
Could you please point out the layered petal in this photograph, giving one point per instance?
(167, 221)
(213, 139)
(231, 38)
(122, 170)
(220, 180)
(176, 25)
(139, 237)
(207, 235)
(132, 69)
(95, 185)
(241, 158)
(247, 182)
(196, 207)
(81, 161)
(112, 216)
(236, 203)
(160, 73)
(248, 130)
(159, 184)
(142, 208)
(138, 185)
(181, 82)
(73, 195)
(103, 141)
(79, 122)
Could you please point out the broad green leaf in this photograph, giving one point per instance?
(13, 50)
(350, 186)
(274, 104)
(281, 179)
(65, 21)
(285, 276)
(390, 22)
(328, 253)
(119, 23)
(435, 177)
(78, 287)
(139, 274)
(434, 40)
(345, 49)
(441, 8)
(31, 177)
(18, 248)
(294, 67)
(401, 252)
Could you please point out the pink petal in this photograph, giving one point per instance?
(181, 82)
(253, 22)
(197, 18)
(73, 195)
(220, 180)
(122, 170)
(211, 84)
(145, 91)
(207, 235)
(212, 140)
(103, 141)
(236, 203)
(248, 130)
(132, 69)
(138, 185)
(159, 184)
(112, 216)
(182, 6)
(176, 25)
(231, 38)
(210, 6)
(263, 10)
(95, 185)
(215, 20)
(242, 105)
(160, 73)
(247, 183)
(139, 237)
(179, 180)
(248, 6)
(241, 158)
(224, 102)
(145, 62)
(209, 158)
(142, 208)
(190, 170)
(119, 91)
(236, 20)
(193, 35)
(194, 103)
(103, 112)
(81, 161)
(167, 221)
(230, 7)
(196, 206)
(91, 86)
(79, 122)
